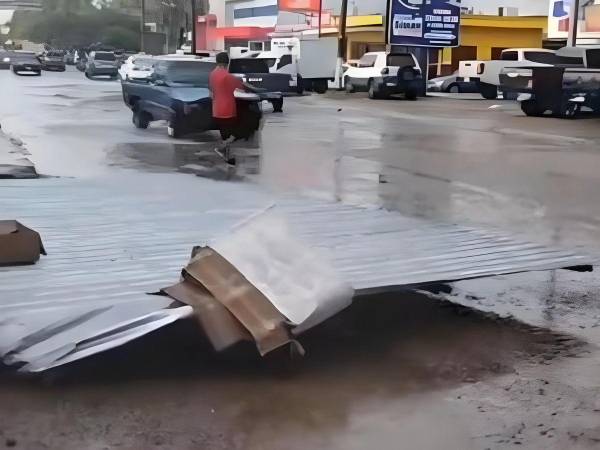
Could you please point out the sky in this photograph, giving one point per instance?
(526, 7)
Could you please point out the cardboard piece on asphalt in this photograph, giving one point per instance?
(262, 284)
(222, 329)
(19, 244)
(268, 327)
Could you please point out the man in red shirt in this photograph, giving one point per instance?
(223, 85)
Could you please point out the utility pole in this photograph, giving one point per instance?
(142, 25)
(343, 17)
(573, 23)
(194, 22)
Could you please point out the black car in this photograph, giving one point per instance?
(178, 92)
(53, 60)
(25, 63)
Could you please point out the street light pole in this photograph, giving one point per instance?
(142, 25)
(573, 23)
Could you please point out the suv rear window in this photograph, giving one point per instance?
(367, 61)
(249, 65)
(25, 57)
(541, 57)
(509, 56)
(105, 57)
(195, 73)
(400, 60)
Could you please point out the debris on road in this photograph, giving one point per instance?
(13, 163)
(260, 282)
(19, 244)
(267, 269)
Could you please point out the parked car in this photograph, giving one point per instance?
(101, 64)
(488, 72)
(451, 84)
(53, 60)
(564, 88)
(382, 74)
(5, 57)
(137, 67)
(70, 58)
(178, 92)
(25, 63)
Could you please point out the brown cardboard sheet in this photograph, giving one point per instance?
(19, 244)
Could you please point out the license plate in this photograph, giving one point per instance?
(390, 84)
(467, 79)
(254, 79)
(27, 68)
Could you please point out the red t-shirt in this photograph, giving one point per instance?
(223, 84)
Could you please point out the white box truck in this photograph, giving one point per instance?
(310, 60)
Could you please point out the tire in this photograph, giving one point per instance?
(348, 86)
(373, 94)
(411, 94)
(277, 105)
(88, 76)
(454, 88)
(174, 130)
(488, 91)
(141, 119)
(569, 110)
(320, 86)
(299, 85)
(531, 108)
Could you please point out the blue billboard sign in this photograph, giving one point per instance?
(424, 23)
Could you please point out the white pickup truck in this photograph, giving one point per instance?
(487, 73)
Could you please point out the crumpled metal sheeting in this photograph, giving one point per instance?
(107, 248)
(111, 242)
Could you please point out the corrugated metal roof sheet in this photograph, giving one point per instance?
(109, 243)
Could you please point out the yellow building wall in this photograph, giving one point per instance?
(484, 38)
(370, 37)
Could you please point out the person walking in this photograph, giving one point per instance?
(222, 86)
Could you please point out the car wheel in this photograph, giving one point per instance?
(141, 119)
(373, 94)
(531, 108)
(488, 91)
(320, 86)
(411, 94)
(569, 110)
(350, 89)
(174, 130)
(88, 76)
(299, 85)
(453, 89)
(277, 105)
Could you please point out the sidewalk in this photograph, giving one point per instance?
(13, 159)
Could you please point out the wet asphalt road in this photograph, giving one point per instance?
(411, 373)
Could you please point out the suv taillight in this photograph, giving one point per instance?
(480, 68)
